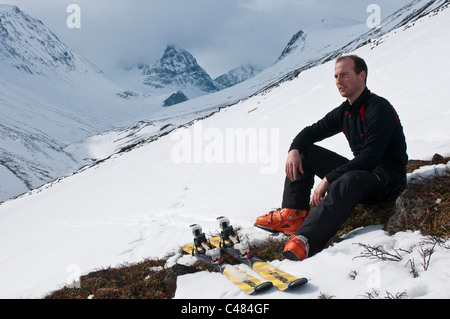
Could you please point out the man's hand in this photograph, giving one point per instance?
(319, 192)
(293, 164)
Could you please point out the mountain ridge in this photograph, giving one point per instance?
(178, 71)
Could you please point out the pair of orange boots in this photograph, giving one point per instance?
(287, 221)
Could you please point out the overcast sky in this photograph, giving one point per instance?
(221, 34)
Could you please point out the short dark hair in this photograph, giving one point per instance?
(360, 64)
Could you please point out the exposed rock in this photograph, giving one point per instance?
(175, 271)
(408, 207)
(437, 158)
(175, 98)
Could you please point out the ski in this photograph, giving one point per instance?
(230, 243)
(203, 251)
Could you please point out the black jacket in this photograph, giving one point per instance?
(373, 130)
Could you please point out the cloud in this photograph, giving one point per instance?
(220, 34)
(268, 5)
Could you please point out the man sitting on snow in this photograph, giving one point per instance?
(375, 135)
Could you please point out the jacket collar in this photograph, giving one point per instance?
(358, 103)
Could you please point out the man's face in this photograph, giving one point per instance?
(349, 84)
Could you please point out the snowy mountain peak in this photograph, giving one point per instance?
(307, 38)
(177, 58)
(297, 41)
(28, 46)
(235, 76)
(178, 69)
(7, 7)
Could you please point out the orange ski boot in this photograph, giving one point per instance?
(285, 220)
(297, 248)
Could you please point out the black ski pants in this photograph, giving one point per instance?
(343, 194)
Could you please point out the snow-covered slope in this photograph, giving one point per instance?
(140, 203)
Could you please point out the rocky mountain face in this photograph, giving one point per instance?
(178, 73)
(178, 69)
(298, 41)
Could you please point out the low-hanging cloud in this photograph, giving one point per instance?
(220, 34)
